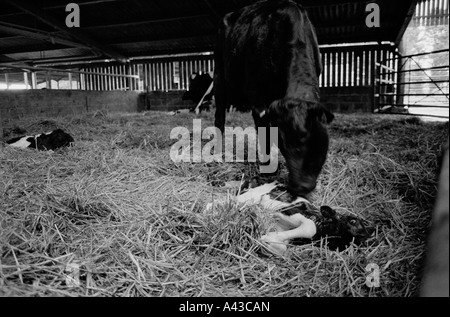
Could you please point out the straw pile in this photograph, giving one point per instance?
(113, 216)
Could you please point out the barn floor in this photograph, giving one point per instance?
(122, 219)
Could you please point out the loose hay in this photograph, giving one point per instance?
(131, 223)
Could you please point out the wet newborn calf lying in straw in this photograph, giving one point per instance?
(300, 222)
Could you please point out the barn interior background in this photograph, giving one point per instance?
(116, 207)
(149, 49)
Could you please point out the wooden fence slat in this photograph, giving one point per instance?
(346, 66)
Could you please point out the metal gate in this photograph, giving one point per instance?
(413, 84)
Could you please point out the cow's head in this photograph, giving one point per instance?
(300, 117)
(303, 141)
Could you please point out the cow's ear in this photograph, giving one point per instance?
(229, 20)
(328, 212)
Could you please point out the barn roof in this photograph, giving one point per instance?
(34, 32)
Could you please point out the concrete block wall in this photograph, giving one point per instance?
(163, 101)
(347, 99)
(26, 103)
(337, 99)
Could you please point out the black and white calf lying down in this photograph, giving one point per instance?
(43, 142)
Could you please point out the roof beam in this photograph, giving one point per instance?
(63, 6)
(144, 22)
(38, 35)
(32, 48)
(42, 16)
(50, 61)
(6, 59)
(173, 37)
(59, 70)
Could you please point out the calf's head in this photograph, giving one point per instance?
(303, 141)
(341, 230)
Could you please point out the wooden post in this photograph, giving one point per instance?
(33, 80)
(70, 80)
(48, 81)
(25, 79)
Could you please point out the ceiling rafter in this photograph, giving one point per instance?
(38, 35)
(83, 39)
(148, 21)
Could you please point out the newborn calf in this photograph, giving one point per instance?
(43, 142)
(302, 224)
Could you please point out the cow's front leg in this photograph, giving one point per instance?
(222, 104)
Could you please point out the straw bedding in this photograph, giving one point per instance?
(133, 222)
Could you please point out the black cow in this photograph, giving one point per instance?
(268, 61)
(199, 84)
(43, 142)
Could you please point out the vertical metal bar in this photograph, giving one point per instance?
(373, 79)
(91, 80)
(336, 68)
(182, 75)
(341, 68)
(83, 80)
(109, 88)
(361, 68)
(156, 75)
(329, 70)
(171, 75)
(25, 81)
(102, 79)
(95, 79)
(113, 79)
(137, 80)
(155, 79)
(146, 79)
(350, 68)
(151, 77)
(118, 79)
(166, 75)
(366, 68)
(70, 81)
(161, 77)
(123, 71)
(33, 80)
